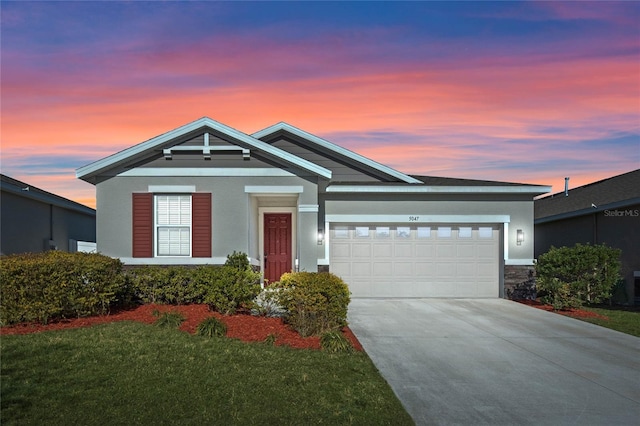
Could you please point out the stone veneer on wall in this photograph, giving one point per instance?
(519, 280)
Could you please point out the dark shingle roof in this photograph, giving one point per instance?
(616, 191)
(23, 189)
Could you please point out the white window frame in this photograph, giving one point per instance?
(157, 226)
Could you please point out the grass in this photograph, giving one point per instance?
(624, 319)
(132, 373)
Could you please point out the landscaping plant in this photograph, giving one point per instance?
(572, 276)
(52, 285)
(169, 319)
(315, 302)
(211, 327)
(335, 342)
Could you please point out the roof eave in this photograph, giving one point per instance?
(89, 171)
(426, 189)
(335, 148)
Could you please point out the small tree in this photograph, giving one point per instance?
(572, 276)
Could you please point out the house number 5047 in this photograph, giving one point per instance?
(413, 218)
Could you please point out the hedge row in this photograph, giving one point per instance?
(44, 286)
(53, 285)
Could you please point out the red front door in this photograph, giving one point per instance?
(277, 245)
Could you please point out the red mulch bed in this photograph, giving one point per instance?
(571, 312)
(247, 328)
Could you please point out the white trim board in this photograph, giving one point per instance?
(416, 218)
(412, 189)
(273, 189)
(206, 172)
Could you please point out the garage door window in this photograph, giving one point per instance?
(403, 232)
(424, 232)
(382, 232)
(444, 232)
(485, 232)
(362, 232)
(464, 232)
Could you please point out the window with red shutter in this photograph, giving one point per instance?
(201, 208)
(142, 225)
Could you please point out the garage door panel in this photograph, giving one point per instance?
(382, 249)
(361, 250)
(383, 269)
(407, 261)
(402, 250)
(424, 250)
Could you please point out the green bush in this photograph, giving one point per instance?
(224, 288)
(53, 285)
(572, 276)
(229, 289)
(212, 327)
(335, 342)
(315, 302)
(173, 285)
(171, 319)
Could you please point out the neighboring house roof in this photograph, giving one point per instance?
(142, 150)
(614, 192)
(25, 190)
(335, 149)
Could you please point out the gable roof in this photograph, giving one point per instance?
(334, 149)
(91, 171)
(617, 191)
(25, 190)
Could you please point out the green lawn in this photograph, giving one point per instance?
(624, 319)
(130, 373)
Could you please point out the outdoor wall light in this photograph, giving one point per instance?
(519, 236)
(320, 237)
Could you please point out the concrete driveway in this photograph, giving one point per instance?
(497, 362)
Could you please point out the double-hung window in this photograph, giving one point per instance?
(173, 225)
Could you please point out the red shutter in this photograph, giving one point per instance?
(201, 223)
(142, 225)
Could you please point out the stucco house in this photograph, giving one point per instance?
(602, 212)
(294, 201)
(33, 220)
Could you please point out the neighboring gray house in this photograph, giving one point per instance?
(33, 220)
(294, 201)
(607, 211)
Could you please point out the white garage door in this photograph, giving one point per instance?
(416, 261)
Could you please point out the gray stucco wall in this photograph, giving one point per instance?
(27, 223)
(234, 212)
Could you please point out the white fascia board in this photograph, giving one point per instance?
(173, 260)
(204, 172)
(205, 121)
(519, 262)
(416, 218)
(335, 148)
(410, 189)
(273, 189)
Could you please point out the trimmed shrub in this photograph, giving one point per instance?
(174, 285)
(53, 285)
(211, 327)
(335, 342)
(315, 302)
(229, 289)
(171, 319)
(571, 276)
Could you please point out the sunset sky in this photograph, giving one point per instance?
(525, 92)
